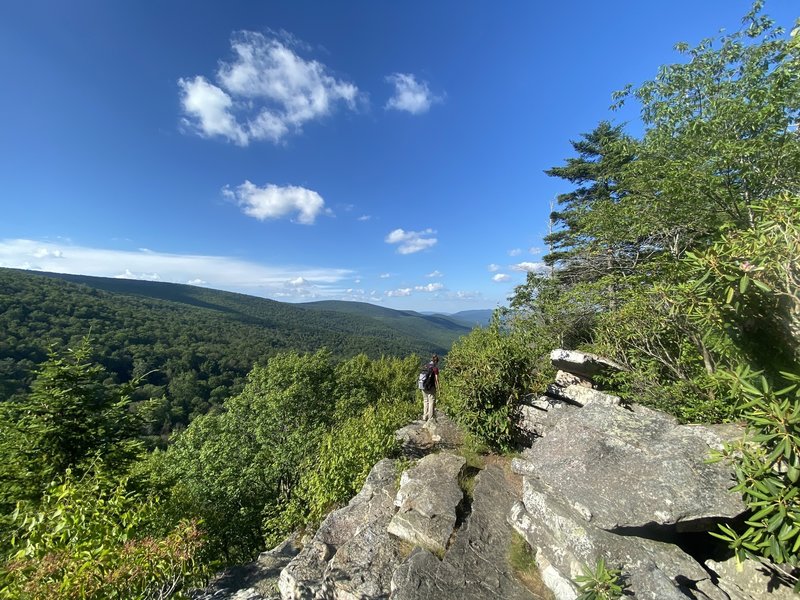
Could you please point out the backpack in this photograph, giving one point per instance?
(426, 381)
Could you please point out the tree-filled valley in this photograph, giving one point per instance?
(190, 346)
(675, 254)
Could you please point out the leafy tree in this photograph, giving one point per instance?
(720, 143)
(339, 467)
(720, 136)
(70, 417)
(300, 437)
(582, 246)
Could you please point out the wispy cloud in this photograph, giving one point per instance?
(385, 275)
(410, 95)
(515, 252)
(399, 293)
(493, 268)
(273, 202)
(435, 274)
(431, 287)
(264, 93)
(535, 250)
(530, 267)
(501, 277)
(364, 218)
(220, 272)
(410, 242)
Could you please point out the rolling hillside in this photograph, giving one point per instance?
(441, 329)
(200, 342)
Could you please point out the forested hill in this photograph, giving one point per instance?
(435, 327)
(200, 342)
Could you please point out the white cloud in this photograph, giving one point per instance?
(435, 274)
(431, 287)
(297, 282)
(530, 267)
(535, 250)
(399, 292)
(208, 110)
(515, 252)
(128, 274)
(410, 95)
(467, 295)
(364, 218)
(264, 93)
(385, 275)
(45, 253)
(411, 241)
(272, 201)
(219, 272)
(500, 277)
(493, 268)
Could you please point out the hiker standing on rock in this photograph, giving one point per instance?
(429, 384)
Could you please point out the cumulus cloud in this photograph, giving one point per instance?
(435, 274)
(47, 253)
(264, 93)
(298, 281)
(501, 277)
(493, 268)
(273, 202)
(431, 287)
(208, 111)
(530, 267)
(410, 242)
(128, 274)
(410, 95)
(399, 292)
(219, 272)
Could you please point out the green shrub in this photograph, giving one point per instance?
(600, 583)
(486, 375)
(92, 538)
(767, 467)
(338, 469)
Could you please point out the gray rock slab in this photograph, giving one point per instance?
(580, 395)
(583, 364)
(443, 431)
(254, 581)
(631, 468)
(537, 418)
(753, 580)
(476, 564)
(422, 437)
(565, 379)
(426, 501)
(350, 555)
(565, 542)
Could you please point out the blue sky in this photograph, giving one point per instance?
(390, 153)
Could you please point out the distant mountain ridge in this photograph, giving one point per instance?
(436, 327)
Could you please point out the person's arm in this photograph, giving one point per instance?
(436, 378)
